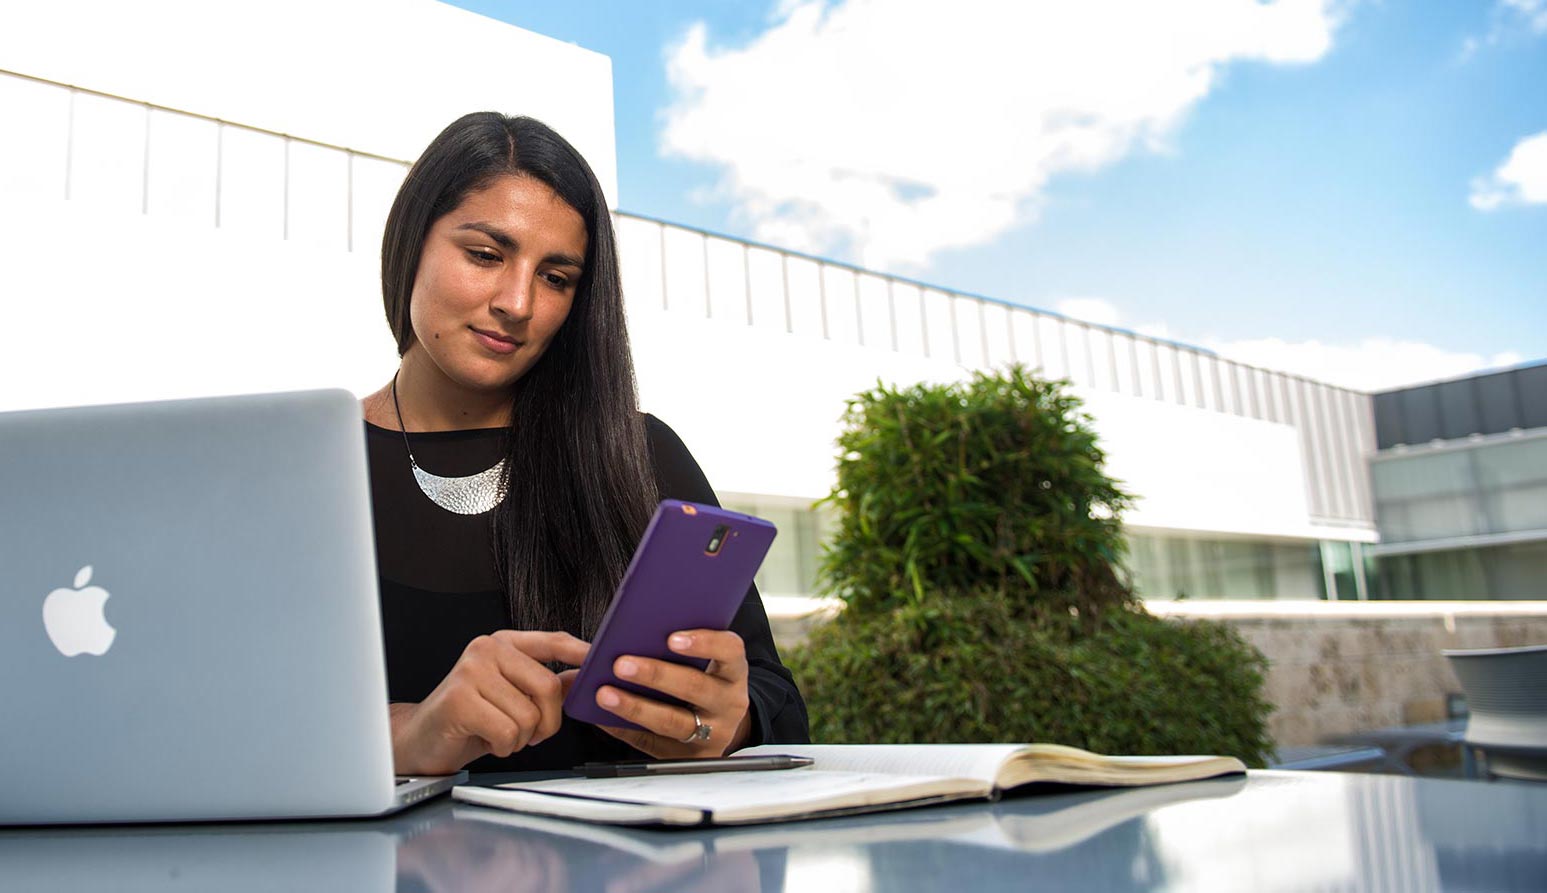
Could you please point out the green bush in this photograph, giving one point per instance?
(975, 670)
(993, 484)
(978, 552)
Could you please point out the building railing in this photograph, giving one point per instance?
(743, 282)
(158, 161)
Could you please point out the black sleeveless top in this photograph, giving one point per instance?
(439, 589)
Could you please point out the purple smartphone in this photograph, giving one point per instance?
(691, 571)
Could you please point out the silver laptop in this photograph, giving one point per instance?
(189, 624)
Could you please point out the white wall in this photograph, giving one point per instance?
(758, 409)
(378, 76)
(107, 307)
(150, 254)
(1198, 470)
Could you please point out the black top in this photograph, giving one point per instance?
(439, 589)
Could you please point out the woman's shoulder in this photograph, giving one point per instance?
(666, 446)
(678, 474)
(658, 432)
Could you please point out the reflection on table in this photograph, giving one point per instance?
(1270, 831)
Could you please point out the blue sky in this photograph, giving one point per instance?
(1317, 189)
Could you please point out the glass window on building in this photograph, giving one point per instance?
(1169, 566)
(1512, 484)
(1498, 487)
(1447, 509)
(791, 565)
(1337, 561)
(1514, 571)
(1426, 496)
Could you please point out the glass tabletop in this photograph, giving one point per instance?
(1267, 831)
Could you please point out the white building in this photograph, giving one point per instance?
(191, 201)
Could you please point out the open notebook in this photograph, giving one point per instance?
(844, 779)
(1066, 822)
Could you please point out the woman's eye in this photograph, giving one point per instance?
(556, 280)
(483, 257)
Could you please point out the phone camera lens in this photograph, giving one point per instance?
(716, 540)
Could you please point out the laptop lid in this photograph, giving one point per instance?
(189, 624)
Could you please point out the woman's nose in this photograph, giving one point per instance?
(514, 298)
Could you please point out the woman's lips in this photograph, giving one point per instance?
(497, 343)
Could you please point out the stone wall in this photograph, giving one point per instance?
(1334, 667)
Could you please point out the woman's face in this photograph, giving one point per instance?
(496, 279)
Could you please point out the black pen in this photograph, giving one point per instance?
(625, 768)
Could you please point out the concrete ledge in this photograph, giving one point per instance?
(1222, 608)
(796, 607)
(793, 607)
(791, 617)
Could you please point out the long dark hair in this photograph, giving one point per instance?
(578, 480)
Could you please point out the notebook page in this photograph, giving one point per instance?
(1153, 761)
(769, 794)
(977, 761)
(728, 791)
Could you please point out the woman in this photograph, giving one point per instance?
(512, 476)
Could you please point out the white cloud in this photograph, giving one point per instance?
(1372, 364)
(1533, 13)
(893, 130)
(1096, 310)
(1105, 313)
(1509, 19)
(1520, 180)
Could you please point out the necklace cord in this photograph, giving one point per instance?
(402, 428)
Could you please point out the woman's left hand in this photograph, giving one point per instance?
(718, 694)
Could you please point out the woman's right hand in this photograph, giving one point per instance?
(497, 699)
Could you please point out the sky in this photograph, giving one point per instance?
(1348, 189)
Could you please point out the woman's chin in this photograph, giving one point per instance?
(485, 377)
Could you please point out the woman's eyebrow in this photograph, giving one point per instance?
(504, 240)
(500, 237)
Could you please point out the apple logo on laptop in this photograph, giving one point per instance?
(74, 619)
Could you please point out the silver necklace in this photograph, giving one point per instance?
(471, 495)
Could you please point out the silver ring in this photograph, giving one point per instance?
(701, 729)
